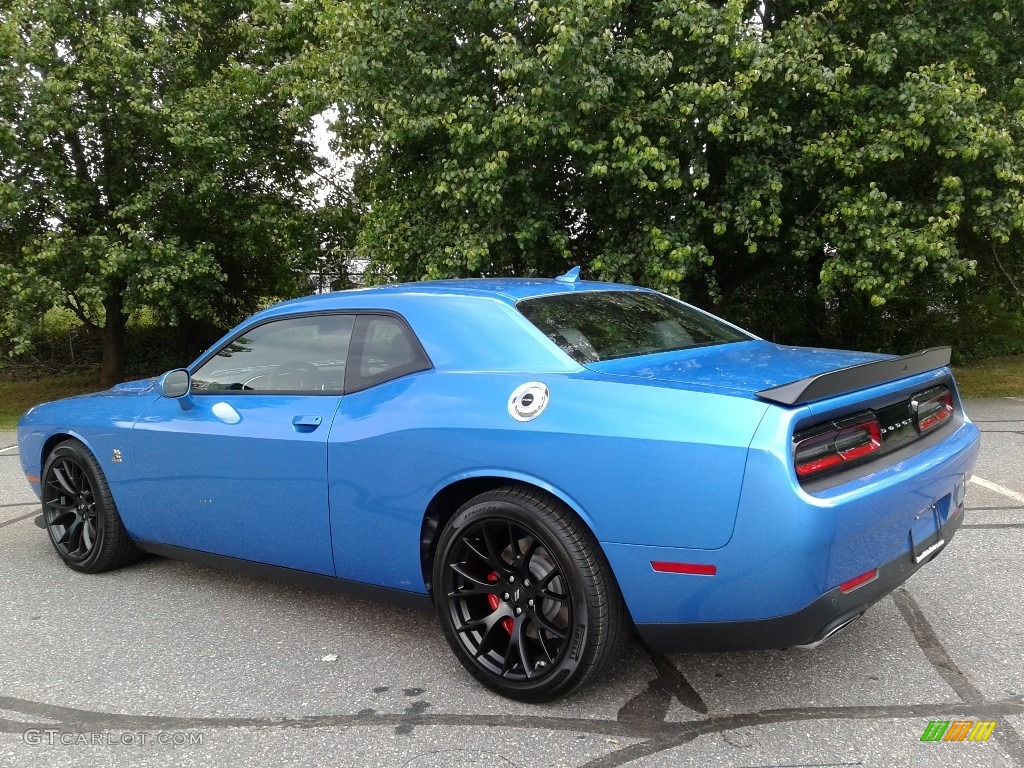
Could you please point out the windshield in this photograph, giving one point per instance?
(604, 325)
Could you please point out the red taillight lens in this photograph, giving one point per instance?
(838, 447)
(932, 409)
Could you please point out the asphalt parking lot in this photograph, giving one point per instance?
(169, 663)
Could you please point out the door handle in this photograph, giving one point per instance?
(306, 423)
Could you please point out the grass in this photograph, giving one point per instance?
(995, 377)
(16, 397)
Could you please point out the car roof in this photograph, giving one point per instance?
(507, 289)
(464, 325)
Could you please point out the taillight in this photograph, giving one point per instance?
(932, 408)
(837, 446)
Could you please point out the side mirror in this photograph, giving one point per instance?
(177, 385)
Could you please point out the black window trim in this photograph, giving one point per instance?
(427, 363)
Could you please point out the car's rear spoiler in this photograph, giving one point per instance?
(843, 380)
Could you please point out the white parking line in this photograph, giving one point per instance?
(998, 488)
(1016, 398)
(9, 448)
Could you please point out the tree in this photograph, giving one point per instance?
(908, 174)
(780, 158)
(151, 157)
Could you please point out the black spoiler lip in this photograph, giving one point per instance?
(854, 377)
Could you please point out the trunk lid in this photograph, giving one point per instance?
(745, 367)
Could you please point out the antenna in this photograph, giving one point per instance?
(572, 276)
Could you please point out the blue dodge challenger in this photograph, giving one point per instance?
(549, 462)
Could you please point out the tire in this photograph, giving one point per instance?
(525, 596)
(79, 512)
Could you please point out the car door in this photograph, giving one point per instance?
(239, 467)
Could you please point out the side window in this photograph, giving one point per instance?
(383, 348)
(304, 355)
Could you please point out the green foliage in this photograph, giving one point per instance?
(807, 165)
(849, 173)
(151, 157)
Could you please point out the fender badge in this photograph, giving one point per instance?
(116, 458)
(528, 401)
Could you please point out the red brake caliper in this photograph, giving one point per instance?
(495, 602)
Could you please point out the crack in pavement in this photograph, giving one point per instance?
(643, 717)
(57, 717)
(412, 713)
(14, 520)
(933, 649)
(654, 701)
(942, 662)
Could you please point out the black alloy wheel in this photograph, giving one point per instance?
(79, 512)
(524, 595)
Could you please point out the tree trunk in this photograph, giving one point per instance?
(112, 334)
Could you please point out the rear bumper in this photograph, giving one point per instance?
(812, 624)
